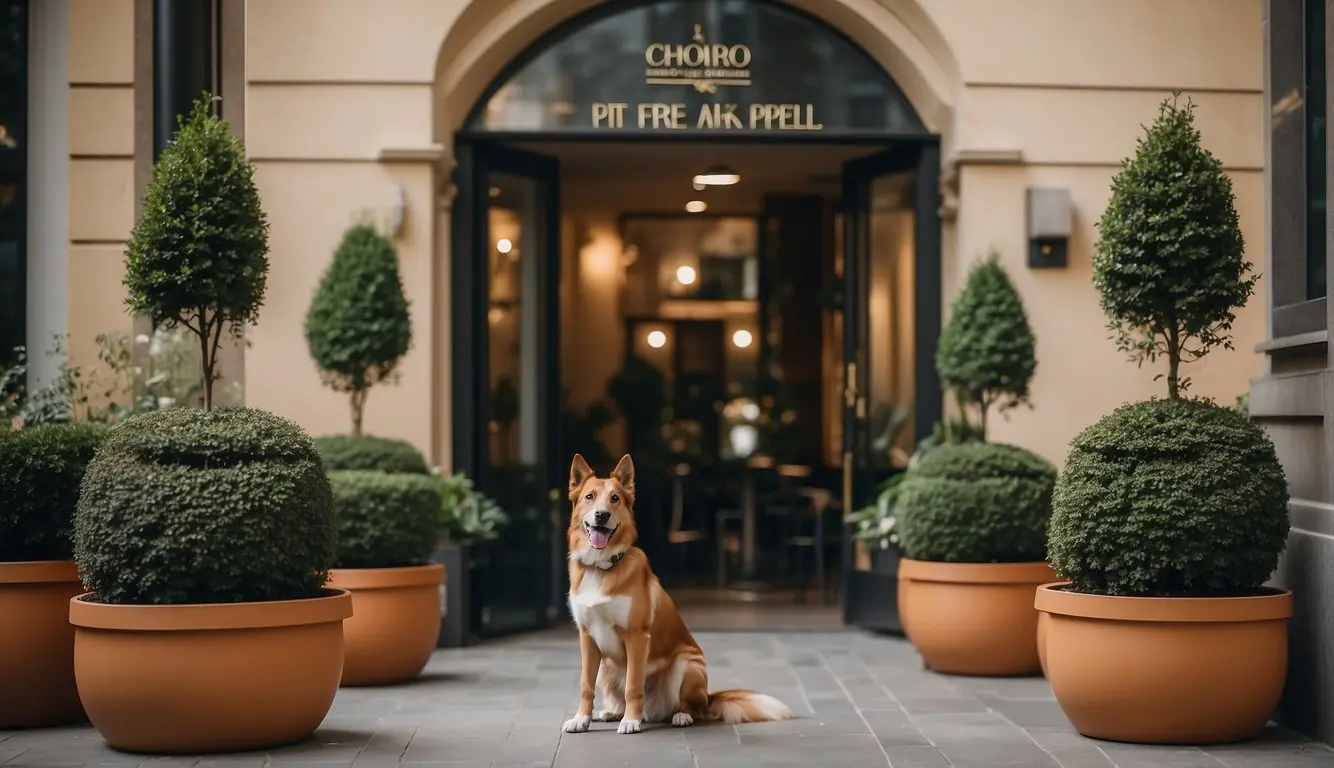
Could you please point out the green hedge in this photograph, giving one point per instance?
(190, 506)
(976, 503)
(385, 520)
(367, 452)
(1169, 497)
(40, 471)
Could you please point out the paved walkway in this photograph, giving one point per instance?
(862, 701)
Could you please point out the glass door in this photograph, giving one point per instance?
(890, 322)
(506, 258)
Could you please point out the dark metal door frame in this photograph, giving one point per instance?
(476, 161)
(865, 600)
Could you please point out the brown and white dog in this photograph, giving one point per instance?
(634, 645)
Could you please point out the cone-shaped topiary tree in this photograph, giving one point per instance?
(358, 327)
(1169, 263)
(198, 256)
(987, 353)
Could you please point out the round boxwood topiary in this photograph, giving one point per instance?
(976, 503)
(385, 520)
(40, 471)
(190, 506)
(366, 452)
(1169, 498)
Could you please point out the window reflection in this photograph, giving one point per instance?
(13, 108)
(1314, 20)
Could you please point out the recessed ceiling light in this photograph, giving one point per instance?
(696, 206)
(657, 339)
(717, 176)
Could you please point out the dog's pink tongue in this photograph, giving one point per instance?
(598, 538)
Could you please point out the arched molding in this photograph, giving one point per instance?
(898, 34)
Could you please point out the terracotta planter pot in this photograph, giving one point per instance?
(1042, 640)
(37, 645)
(973, 618)
(1163, 670)
(395, 621)
(229, 677)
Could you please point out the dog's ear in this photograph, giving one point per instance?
(625, 474)
(579, 472)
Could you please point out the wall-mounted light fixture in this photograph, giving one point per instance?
(503, 245)
(742, 338)
(398, 208)
(685, 274)
(657, 339)
(1050, 224)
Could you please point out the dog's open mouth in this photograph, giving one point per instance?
(599, 535)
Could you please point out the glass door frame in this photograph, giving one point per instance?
(475, 162)
(858, 175)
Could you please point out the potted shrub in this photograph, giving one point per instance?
(358, 327)
(205, 537)
(40, 471)
(972, 526)
(467, 518)
(972, 515)
(1170, 514)
(388, 525)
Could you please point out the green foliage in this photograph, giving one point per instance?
(118, 386)
(40, 471)
(878, 521)
(358, 327)
(467, 516)
(1170, 498)
(976, 503)
(190, 506)
(1169, 263)
(385, 520)
(198, 256)
(368, 452)
(987, 353)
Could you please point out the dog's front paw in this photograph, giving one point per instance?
(577, 724)
(607, 716)
(630, 726)
(682, 719)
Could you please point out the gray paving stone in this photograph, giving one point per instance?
(862, 701)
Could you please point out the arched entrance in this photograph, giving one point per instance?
(821, 267)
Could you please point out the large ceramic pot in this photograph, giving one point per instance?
(973, 618)
(395, 621)
(37, 645)
(226, 677)
(1166, 670)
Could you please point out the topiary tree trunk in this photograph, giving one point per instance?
(358, 327)
(1170, 263)
(987, 352)
(198, 256)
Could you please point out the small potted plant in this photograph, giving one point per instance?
(972, 515)
(358, 327)
(467, 518)
(40, 471)
(1170, 514)
(388, 525)
(205, 537)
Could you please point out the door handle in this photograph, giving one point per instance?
(850, 385)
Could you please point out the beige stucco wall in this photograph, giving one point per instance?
(340, 103)
(101, 170)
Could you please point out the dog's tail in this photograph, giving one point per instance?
(741, 706)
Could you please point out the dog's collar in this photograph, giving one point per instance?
(611, 561)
